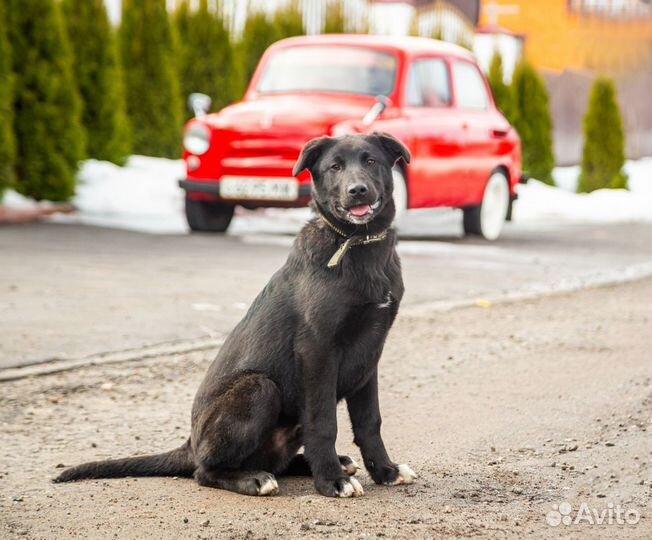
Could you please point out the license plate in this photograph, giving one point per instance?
(266, 189)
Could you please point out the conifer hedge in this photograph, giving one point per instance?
(501, 91)
(148, 53)
(205, 55)
(288, 21)
(533, 121)
(99, 78)
(7, 143)
(261, 31)
(258, 34)
(334, 23)
(47, 124)
(604, 141)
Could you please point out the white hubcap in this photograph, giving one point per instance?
(495, 203)
(400, 193)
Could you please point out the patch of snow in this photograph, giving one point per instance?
(142, 196)
(638, 171)
(16, 201)
(566, 177)
(540, 202)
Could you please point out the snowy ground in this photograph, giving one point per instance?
(539, 202)
(144, 196)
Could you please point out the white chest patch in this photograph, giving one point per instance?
(387, 302)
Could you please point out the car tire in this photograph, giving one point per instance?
(488, 218)
(400, 192)
(208, 216)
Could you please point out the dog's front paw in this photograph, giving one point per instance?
(341, 487)
(405, 476)
(349, 465)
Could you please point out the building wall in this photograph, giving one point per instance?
(576, 35)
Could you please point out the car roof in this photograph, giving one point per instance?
(408, 44)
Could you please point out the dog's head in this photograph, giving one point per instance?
(352, 174)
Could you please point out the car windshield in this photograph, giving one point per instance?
(351, 70)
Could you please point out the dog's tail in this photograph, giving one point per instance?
(178, 462)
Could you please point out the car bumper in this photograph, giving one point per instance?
(211, 190)
(200, 187)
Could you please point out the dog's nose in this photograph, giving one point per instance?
(356, 190)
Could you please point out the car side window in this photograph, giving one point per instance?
(470, 90)
(429, 84)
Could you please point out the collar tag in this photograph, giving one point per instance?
(339, 254)
(354, 241)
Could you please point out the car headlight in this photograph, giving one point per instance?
(197, 139)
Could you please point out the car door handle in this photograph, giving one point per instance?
(499, 133)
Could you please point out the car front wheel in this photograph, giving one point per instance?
(488, 218)
(208, 216)
(400, 192)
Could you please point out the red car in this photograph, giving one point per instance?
(430, 94)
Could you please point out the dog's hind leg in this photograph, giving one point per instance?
(232, 431)
(243, 482)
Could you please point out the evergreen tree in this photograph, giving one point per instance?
(7, 143)
(49, 134)
(465, 43)
(152, 87)
(259, 33)
(533, 122)
(99, 78)
(604, 141)
(289, 21)
(206, 58)
(334, 23)
(501, 91)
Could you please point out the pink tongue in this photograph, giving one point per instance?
(360, 210)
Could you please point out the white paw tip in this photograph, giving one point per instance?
(268, 487)
(351, 488)
(405, 475)
(351, 468)
(357, 487)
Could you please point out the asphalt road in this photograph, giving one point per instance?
(70, 291)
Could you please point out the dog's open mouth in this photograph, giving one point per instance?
(361, 213)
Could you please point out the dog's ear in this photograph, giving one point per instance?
(311, 153)
(394, 148)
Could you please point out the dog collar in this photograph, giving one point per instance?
(354, 241)
(351, 241)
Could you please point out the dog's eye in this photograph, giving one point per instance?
(371, 161)
(336, 167)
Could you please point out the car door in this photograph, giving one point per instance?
(436, 133)
(483, 129)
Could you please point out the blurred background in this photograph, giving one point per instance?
(103, 68)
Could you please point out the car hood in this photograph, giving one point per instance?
(312, 115)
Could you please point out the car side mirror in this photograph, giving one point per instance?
(199, 104)
(376, 110)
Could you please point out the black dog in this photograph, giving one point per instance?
(311, 338)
